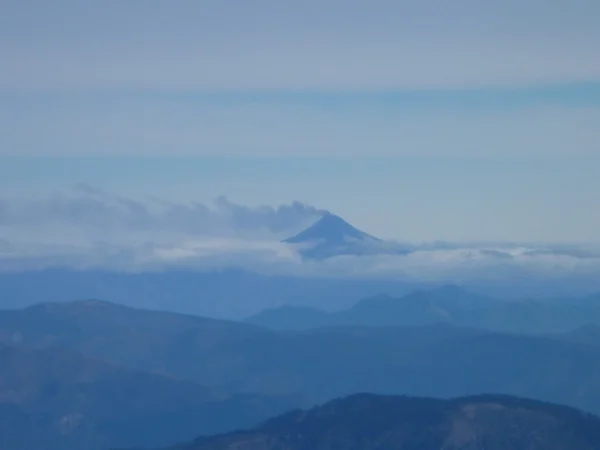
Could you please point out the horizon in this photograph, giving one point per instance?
(140, 134)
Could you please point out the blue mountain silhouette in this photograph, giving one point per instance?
(333, 236)
(332, 229)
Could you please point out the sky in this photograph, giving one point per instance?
(414, 120)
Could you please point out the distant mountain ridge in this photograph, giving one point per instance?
(371, 422)
(238, 294)
(449, 304)
(316, 365)
(219, 293)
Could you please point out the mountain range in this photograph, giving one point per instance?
(237, 294)
(92, 374)
(370, 422)
(450, 305)
(230, 293)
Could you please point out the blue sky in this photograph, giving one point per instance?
(415, 120)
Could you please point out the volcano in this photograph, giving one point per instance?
(333, 236)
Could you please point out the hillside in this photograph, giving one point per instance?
(56, 399)
(317, 365)
(588, 334)
(147, 340)
(369, 422)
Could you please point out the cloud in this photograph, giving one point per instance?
(269, 44)
(464, 265)
(90, 229)
(88, 214)
(467, 265)
(460, 265)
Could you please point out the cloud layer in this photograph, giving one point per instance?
(88, 228)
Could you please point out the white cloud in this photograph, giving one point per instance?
(458, 265)
(92, 229)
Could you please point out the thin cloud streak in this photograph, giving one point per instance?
(268, 44)
(93, 214)
(139, 125)
(458, 265)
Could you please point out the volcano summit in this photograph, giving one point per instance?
(332, 236)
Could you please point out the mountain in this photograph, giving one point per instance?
(370, 422)
(333, 236)
(588, 334)
(56, 399)
(232, 294)
(316, 365)
(330, 228)
(293, 318)
(155, 341)
(238, 294)
(449, 304)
